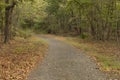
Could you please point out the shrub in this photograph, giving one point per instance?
(24, 33)
(84, 35)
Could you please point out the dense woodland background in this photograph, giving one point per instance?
(93, 26)
(96, 19)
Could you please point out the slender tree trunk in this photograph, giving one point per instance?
(118, 31)
(8, 20)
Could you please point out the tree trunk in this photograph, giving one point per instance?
(8, 20)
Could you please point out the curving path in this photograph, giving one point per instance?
(64, 62)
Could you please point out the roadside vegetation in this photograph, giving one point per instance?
(105, 54)
(20, 49)
(20, 56)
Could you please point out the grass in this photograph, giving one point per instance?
(20, 56)
(107, 55)
(108, 63)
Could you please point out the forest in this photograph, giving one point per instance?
(95, 21)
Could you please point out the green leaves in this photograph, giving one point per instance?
(2, 4)
(53, 6)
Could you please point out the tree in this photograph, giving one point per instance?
(10, 5)
(96, 18)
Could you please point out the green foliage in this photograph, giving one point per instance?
(24, 33)
(98, 18)
(2, 5)
(84, 35)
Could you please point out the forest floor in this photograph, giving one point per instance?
(18, 57)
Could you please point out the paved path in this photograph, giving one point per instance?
(64, 62)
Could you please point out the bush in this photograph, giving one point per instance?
(84, 35)
(24, 33)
